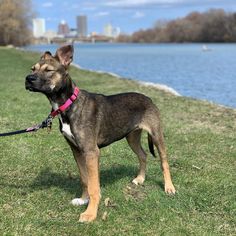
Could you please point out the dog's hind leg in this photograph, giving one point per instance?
(134, 141)
(158, 140)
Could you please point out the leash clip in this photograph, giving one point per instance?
(47, 123)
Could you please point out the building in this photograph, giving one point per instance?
(39, 28)
(110, 31)
(82, 26)
(73, 32)
(116, 32)
(63, 29)
(50, 35)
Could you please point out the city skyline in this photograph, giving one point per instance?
(64, 30)
(128, 15)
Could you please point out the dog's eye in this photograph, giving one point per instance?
(49, 70)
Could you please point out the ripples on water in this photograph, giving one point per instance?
(192, 72)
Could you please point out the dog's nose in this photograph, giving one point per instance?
(30, 78)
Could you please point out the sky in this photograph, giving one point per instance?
(128, 15)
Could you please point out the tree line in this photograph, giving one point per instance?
(215, 25)
(15, 22)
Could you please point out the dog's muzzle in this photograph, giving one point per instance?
(31, 78)
(29, 81)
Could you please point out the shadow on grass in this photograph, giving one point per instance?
(48, 179)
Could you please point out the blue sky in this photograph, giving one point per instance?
(129, 15)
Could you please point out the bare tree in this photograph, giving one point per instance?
(214, 25)
(15, 18)
(123, 38)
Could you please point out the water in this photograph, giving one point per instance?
(209, 75)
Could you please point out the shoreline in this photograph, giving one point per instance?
(162, 87)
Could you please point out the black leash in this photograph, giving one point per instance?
(47, 123)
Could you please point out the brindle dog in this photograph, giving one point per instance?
(94, 121)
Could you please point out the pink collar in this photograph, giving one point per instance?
(66, 104)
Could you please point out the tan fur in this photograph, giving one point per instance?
(36, 66)
(56, 78)
(92, 167)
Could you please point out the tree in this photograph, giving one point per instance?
(215, 25)
(123, 38)
(15, 21)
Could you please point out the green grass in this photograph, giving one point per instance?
(38, 175)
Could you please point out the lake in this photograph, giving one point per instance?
(187, 68)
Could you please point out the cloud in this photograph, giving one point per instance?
(47, 4)
(138, 14)
(139, 3)
(160, 3)
(90, 5)
(102, 13)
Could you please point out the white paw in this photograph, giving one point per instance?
(79, 201)
(138, 180)
(135, 182)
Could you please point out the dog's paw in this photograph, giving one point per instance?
(170, 189)
(85, 217)
(79, 201)
(138, 180)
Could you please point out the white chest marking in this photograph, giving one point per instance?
(66, 131)
(52, 86)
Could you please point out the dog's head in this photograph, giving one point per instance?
(50, 73)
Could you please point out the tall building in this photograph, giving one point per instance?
(82, 27)
(39, 27)
(108, 30)
(111, 31)
(63, 28)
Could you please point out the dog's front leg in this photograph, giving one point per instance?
(92, 164)
(81, 163)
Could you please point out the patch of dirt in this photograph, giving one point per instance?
(135, 192)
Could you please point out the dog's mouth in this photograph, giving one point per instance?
(30, 89)
(28, 86)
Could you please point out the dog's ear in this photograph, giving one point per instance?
(65, 55)
(46, 55)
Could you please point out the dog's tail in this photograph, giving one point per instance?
(150, 145)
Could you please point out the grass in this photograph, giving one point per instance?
(38, 175)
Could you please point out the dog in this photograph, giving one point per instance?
(93, 121)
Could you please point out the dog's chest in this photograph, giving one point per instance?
(66, 131)
(65, 127)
